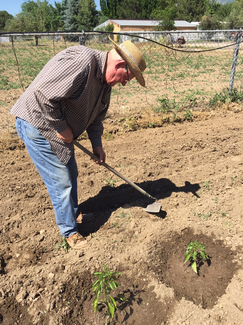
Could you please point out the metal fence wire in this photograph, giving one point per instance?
(180, 75)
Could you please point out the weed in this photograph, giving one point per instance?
(203, 215)
(103, 286)
(195, 252)
(115, 225)
(205, 186)
(188, 115)
(166, 106)
(64, 244)
(123, 214)
(151, 125)
(226, 97)
(110, 181)
(224, 214)
(108, 136)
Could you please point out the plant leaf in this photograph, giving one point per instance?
(122, 297)
(204, 256)
(194, 255)
(116, 284)
(95, 304)
(95, 288)
(111, 310)
(187, 257)
(194, 266)
(113, 301)
(110, 284)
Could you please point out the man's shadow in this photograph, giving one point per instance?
(110, 199)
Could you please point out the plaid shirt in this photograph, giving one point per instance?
(69, 91)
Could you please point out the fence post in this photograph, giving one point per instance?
(238, 37)
(82, 38)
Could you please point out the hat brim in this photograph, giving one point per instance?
(132, 66)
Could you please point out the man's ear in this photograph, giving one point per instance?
(120, 64)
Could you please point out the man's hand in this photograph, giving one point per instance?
(66, 135)
(99, 152)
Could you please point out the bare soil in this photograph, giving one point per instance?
(194, 169)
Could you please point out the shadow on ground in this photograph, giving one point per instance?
(110, 199)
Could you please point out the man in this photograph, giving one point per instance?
(70, 95)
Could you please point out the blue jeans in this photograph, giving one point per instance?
(60, 180)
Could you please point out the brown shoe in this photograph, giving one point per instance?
(76, 241)
(86, 217)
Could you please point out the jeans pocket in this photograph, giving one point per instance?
(31, 132)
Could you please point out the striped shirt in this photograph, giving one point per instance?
(69, 91)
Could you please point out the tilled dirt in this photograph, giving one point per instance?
(194, 169)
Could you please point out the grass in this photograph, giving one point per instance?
(177, 84)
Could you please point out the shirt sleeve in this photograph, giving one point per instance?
(95, 130)
(61, 81)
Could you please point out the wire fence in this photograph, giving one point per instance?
(185, 69)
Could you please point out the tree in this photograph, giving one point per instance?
(191, 10)
(235, 17)
(56, 13)
(166, 12)
(70, 15)
(22, 23)
(148, 7)
(4, 16)
(36, 17)
(223, 10)
(109, 8)
(128, 9)
(87, 17)
(209, 22)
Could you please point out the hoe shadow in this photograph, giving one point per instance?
(110, 199)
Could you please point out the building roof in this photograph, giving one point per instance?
(143, 22)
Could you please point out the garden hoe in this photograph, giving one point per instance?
(152, 208)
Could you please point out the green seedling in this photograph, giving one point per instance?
(195, 252)
(64, 244)
(188, 115)
(103, 286)
(205, 186)
(110, 181)
(203, 215)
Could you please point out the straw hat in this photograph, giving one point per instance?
(134, 59)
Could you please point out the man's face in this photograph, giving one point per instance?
(120, 73)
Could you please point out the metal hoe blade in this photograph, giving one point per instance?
(153, 208)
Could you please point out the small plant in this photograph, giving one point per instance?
(166, 106)
(188, 115)
(64, 244)
(226, 96)
(110, 181)
(203, 215)
(205, 186)
(195, 252)
(103, 286)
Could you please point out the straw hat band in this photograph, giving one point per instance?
(128, 53)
